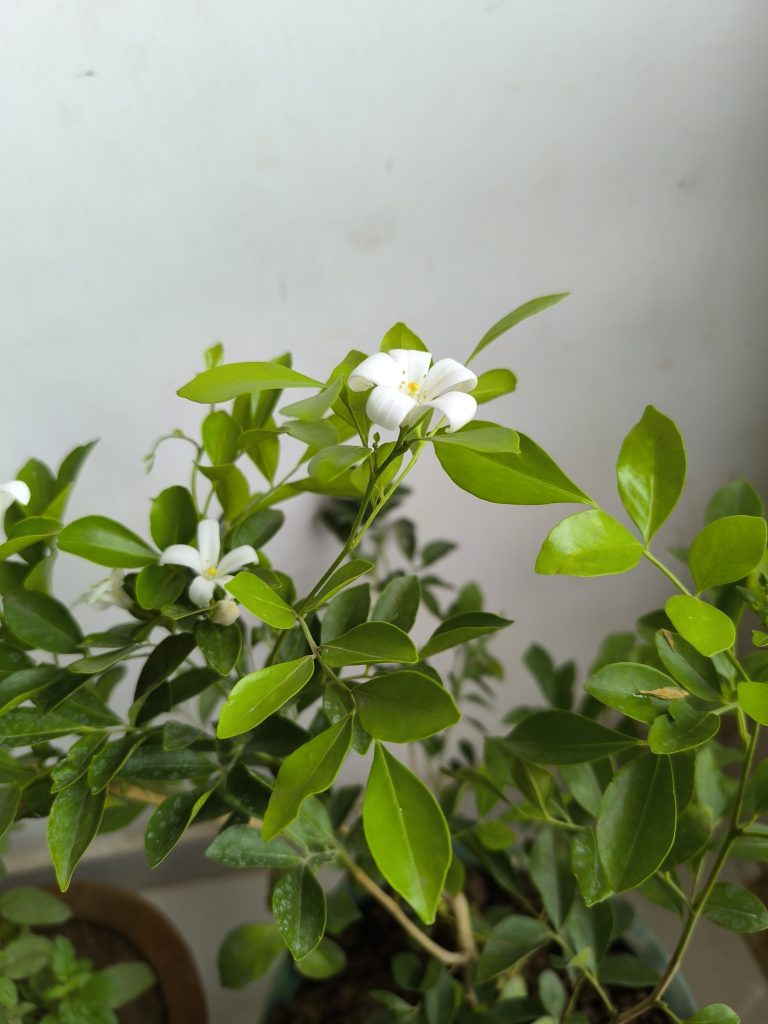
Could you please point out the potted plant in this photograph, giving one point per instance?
(569, 813)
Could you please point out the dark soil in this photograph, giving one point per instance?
(104, 947)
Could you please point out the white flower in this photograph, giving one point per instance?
(14, 490)
(404, 386)
(204, 560)
(108, 592)
(225, 612)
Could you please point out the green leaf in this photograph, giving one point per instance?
(339, 579)
(398, 602)
(636, 821)
(481, 436)
(308, 770)
(150, 762)
(247, 953)
(369, 643)
(259, 694)
(549, 868)
(530, 478)
(436, 550)
(510, 940)
(223, 383)
(105, 542)
(108, 762)
(231, 488)
(628, 687)
(311, 409)
(79, 756)
(406, 834)
(42, 622)
(346, 610)
(221, 645)
(27, 905)
(258, 528)
(493, 384)
(651, 470)
(159, 585)
(220, 437)
(21, 727)
(401, 707)
(705, 627)
(511, 320)
(326, 960)
(401, 336)
(320, 434)
(169, 821)
(589, 544)
(73, 822)
(72, 463)
(562, 737)
(298, 906)
(25, 956)
(459, 629)
(241, 846)
(715, 1013)
(736, 908)
(686, 730)
(10, 798)
(727, 550)
(127, 981)
(738, 498)
(556, 684)
(753, 698)
(17, 687)
(28, 532)
(173, 517)
(258, 597)
(690, 669)
(163, 661)
(587, 869)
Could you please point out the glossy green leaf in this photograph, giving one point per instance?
(72, 463)
(459, 629)
(298, 906)
(258, 597)
(241, 846)
(510, 940)
(258, 528)
(651, 470)
(398, 602)
(159, 585)
(220, 437)
(753, 698)
(325, 961)
(338, 580)
(726, 550)
(73, 822)
(683, 729)
(16, 687)
(220, 645)
(223, 383)
(636, 821)
(247, 953)
(705, 627)
(406, 834)
(163, 661)
(493, 384)
(691, 670)
(108, 762)
(27, 905)
(511, 320)
(259, 694)
(589, 544)
(173, 517)
(42, 622)
(530, 478)
(28, 532)
(311, 409)
(480, 436)
(715, 1013)
(562, 737)
(308, 770)
(587, 869)
(405, 706)
(331, 462)
(403, 337)
(628, 687)
(369, 643)
(736, 908)
(168, 823)
(105, 542)
(347, 609)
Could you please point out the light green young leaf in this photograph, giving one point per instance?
(651, 470)
(223, 383)
(331, 462)
(258, 597)
(482, 436)
(405, 706)
(369, 643)
(726, 550)
(311, 409)
(401, 336)
(705, 627)
(511, 320)
(715, 1013)
(753, 698)
(127, 981)
(589, 544)
(105, 542)
(493, 384)
(259, 694)
(220, 437)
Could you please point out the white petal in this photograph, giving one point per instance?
(413, 364)
(388, 407)
(201, 591)
(182, 554)
(16, 490)
(457, 408)
(209, 542)
(380, 368)
(447, 375)
(236, 559)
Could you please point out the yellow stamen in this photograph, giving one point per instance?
(413, 387)
(211, 570)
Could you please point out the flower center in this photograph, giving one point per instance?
(411, 387)
(211, 570)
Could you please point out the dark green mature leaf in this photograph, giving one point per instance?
(258, 597)
(28, 532)
(348, 609)
(298, 905)
(73, 822)
(726, 550)
(509, 941)
(690, 669)
(163, 661)
(556, 684)
(105, 542)
(736, 908)
(18, 686)
(308, 770)
(169, 821)
(71, 465)
(511, 320)
(530, 478)
(259, 694)
(159, 585)
(493, 384)
(22, 726)
(223, 383)
(589, 544)
(79, 756)
(705, 627)
(562, 737)
(241, 846)
(549, 868)
(339, 579)
(482, 436)
(404, 706)
(42, 622)
(636, 821)
(628, 687)
(26, 905)
(150, 762)
(221, 645)
(258, 528)
(173, 517)
(406, 834)
(398, 602)
(10, 798)
(459, 629)
(587, 869)
(106, 764)
(651, 470)
(369, 643)
(247, 953)
(685, 730)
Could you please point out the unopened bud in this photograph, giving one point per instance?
(225, 612)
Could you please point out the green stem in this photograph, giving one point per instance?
(667, 572)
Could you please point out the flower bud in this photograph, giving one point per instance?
(225, 612)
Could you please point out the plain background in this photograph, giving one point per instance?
(300, 175)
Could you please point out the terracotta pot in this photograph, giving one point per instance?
(141, 925)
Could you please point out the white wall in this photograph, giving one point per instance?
(301, 175)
